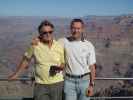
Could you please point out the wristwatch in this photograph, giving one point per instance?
(92, 83)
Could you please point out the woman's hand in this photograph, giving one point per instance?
(12, 77)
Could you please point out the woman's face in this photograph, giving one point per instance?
(46, 33)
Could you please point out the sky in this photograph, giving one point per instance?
(65, 8)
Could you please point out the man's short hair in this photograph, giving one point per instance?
(76, 20)
(45, 23)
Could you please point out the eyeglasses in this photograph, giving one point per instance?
(43, 33)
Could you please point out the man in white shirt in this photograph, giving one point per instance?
(80, 64)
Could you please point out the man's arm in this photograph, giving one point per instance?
(92, 68)
(92, 78)
(23, 65)
(92, 74)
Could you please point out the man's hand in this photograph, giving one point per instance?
(35, 41)
(89, 91)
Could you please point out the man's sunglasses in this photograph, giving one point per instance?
(43, 33)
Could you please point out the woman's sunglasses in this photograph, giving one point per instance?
(50, 32)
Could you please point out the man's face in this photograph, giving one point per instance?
(77, 29)
(46, 33)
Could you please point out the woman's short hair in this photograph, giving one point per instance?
(45, 23)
